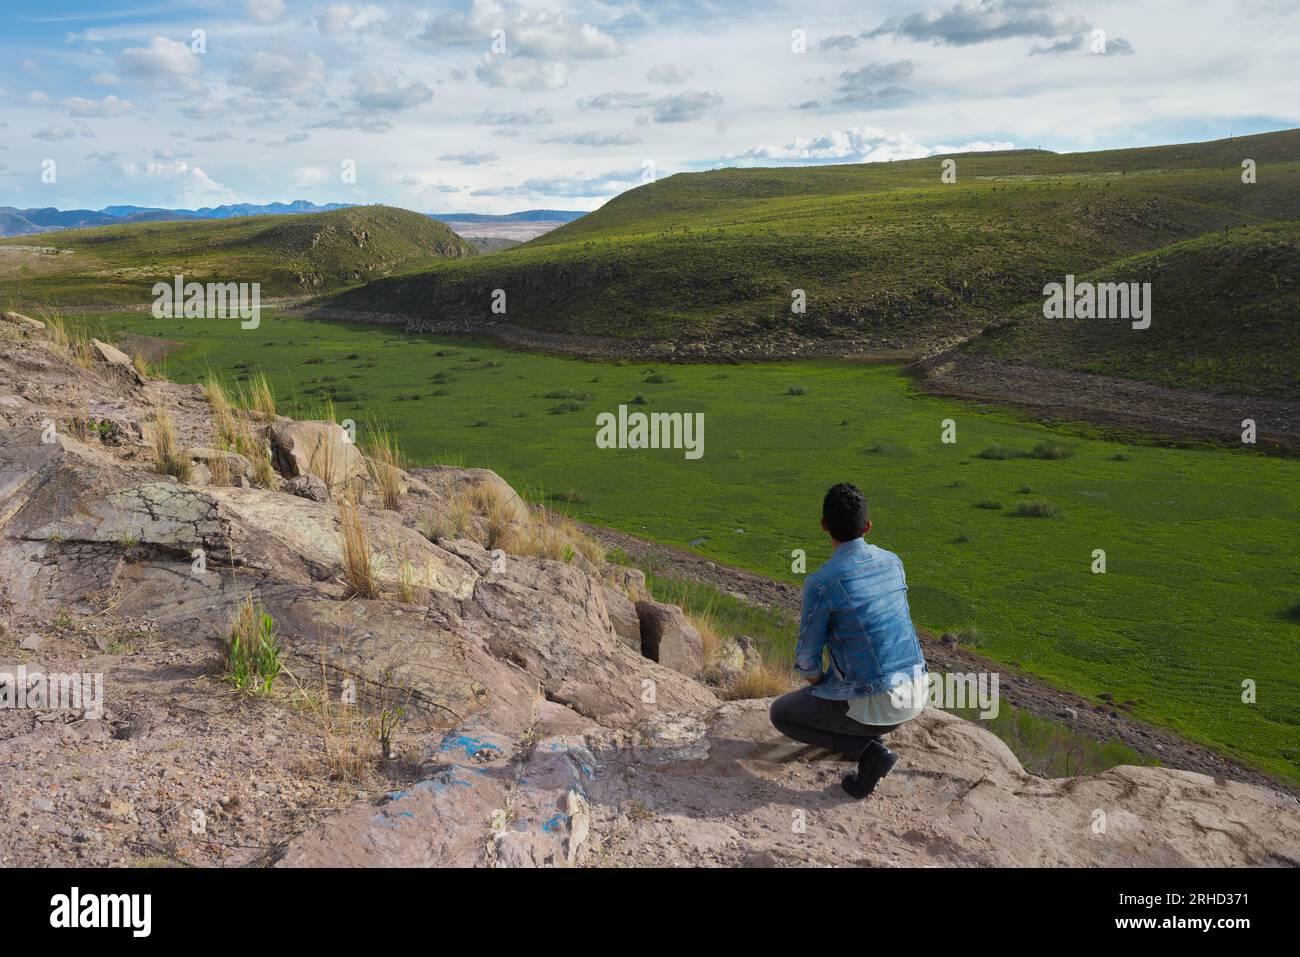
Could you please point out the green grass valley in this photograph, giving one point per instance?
(998, 530)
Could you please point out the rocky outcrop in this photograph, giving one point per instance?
(668, 637)
(553, 719)
(726, 790)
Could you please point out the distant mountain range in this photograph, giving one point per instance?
(22, 222)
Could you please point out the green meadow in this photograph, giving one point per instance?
(1202, 586)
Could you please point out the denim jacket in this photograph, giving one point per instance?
(855, 609)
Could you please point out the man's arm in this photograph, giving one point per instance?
(814, 629)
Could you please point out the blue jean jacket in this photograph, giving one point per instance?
(855, 609)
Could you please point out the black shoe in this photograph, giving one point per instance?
(876, 761)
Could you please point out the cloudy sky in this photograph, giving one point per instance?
(494, 106)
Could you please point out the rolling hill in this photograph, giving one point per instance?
(1225, 318)
(886, 253)
(288, 255)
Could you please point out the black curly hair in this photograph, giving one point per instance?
(844, 510)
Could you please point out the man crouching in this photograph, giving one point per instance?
(854, 610)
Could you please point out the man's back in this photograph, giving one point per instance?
(856, 607)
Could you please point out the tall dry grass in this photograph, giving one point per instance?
(711, 642)
(385, 461)
(257, 397)
(358, 561)
(762, 681)
(69, 341)
(168, 459)
(236, 433)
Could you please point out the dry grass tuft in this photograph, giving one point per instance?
(508, 523)
(236, 434)
(256, 396)
(385, 461)
(141, 365)
(346, 742)
(760, 682)
(219, 470)
(223, 417)
(167, 457)
(358, 561)
(501, 511)
(69, 341)
(453, 521)
(711, 642)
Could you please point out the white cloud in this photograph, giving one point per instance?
(571, 185)
(108, 106)
(57, 134)
(387, 91)
(469, 159)
(265, 11)
(858, 145)
(535, 34)
(666, 73)
(163, 63)
(521, 73)
(275, 73)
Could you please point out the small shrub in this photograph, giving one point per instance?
(572, 496)
(797, 390)
(970, 637)
(1037, 510)
(1025, 490)
(988, 504)
(998, 452)
(569, 394)
(564, 408)
(253, 651)
(1121, 457)
(1051, 451)
(657, 378)
(962, 539)
(639, 400)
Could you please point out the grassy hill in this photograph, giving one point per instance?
(288, 255)
(1225, 318)
(884, 251)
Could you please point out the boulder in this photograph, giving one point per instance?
(550, 619)
(235, 465)
(117, 360)
(630, 581)
(623, 616)
(317, 447)
(308, 485)
(25, 323)
(668, 637)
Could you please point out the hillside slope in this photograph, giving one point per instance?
(886, 253)
(288, 255)
(1224, 319)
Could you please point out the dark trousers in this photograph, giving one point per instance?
(805, 717)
